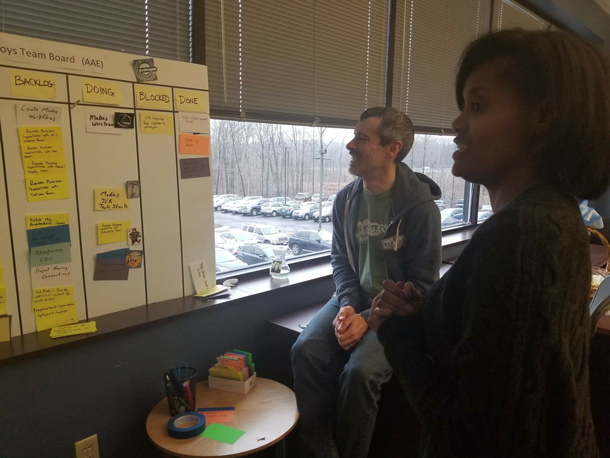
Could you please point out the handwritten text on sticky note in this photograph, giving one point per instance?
(111, 199)
(112, 231)
(195, 144)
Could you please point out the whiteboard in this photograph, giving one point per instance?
(174, 214)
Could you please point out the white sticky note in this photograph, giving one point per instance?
(204, 275)
(38, 114)
(101, 122)
(194, 123)
(53, 275)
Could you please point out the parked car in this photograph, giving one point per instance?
(271, 208)
(255, 253)
(451, 216)
(220, 242)
(306, 211)
(459, 203)
(280, 199)
(228, 206)
(327, 214)
(316, 197)
(252, 207)
(440, 204)
(266, 233)
(236, 208)
(331, 198)
(286, 210)
(309, 241)
(302, 197)
(235, 237)
(483, 216)
(220, 200)
(486, 208)
(226, 261)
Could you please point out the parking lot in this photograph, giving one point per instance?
(285, 225)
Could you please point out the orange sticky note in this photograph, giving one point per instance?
(217, 414)
(198, 145)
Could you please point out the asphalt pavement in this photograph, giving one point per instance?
(285, 225)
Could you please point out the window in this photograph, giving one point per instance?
(156, 28)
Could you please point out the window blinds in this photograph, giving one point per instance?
(301, 62)
(157, 28)
(511, 15)
(430, 38)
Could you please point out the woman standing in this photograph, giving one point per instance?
(496, 362)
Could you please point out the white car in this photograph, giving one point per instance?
(305, 211)
(266, 233)
(235, 238)
(228, 206)
(246, 203)
(327, 214)
(220, 200)
(271, 208)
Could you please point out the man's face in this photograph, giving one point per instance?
(367, 154)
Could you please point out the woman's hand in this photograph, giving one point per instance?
(395, 299)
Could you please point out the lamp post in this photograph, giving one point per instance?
(321, 159)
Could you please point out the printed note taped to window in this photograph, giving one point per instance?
(112, 231)
(198, 145)
(111, 199)
(37, 85)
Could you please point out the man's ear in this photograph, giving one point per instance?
(395, 148)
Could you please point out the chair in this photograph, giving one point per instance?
(600, 303)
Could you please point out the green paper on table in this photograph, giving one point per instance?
(222, 433)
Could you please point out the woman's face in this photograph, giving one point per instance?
(494, 129)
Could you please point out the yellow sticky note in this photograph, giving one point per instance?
(41, 143)
(25, 83)
(112, 232)
(49, 187)
(48, 317)
(48, 220)
(157, 123)
(155, 97)
(189, 100)
(101, 91)
(43, 297)
(45, 166)
(73, 329)
(1, 276)
(5, 328)
(2, 300)
(111, 199)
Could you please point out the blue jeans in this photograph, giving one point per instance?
(336, 390)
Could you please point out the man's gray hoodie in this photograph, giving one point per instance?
(411, 245)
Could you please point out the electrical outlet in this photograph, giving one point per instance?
(87, 448)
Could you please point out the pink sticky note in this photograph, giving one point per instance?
(217, 415)
(198, 145)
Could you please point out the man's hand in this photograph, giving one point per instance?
(349, 327)
(396, 299)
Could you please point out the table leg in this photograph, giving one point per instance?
(280, 449)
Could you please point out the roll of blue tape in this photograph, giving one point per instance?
(175, 431)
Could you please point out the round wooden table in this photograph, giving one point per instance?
(267, 414)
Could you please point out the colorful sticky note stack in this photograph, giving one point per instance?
(53, 301)
(44, 163)
(234, 365)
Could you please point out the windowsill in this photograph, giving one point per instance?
(251, 282)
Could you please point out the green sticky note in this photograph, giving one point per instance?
(222, 433)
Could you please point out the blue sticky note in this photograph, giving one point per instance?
(114, 254)
(57, 253)
(48, 235)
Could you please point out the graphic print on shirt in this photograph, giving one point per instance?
(366, 229)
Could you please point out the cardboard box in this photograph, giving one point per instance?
(233, 386)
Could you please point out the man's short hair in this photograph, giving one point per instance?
(394, 126)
